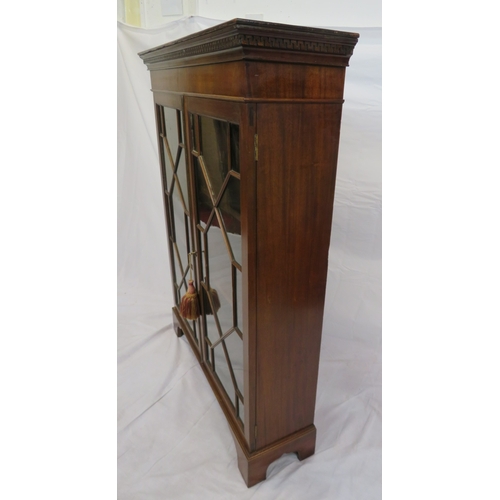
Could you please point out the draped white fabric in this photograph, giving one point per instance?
(173, 440)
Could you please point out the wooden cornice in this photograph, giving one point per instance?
(249, 40)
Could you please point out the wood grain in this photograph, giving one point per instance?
(295, 189)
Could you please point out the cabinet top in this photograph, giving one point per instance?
(246, 39)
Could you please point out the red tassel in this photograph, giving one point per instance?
(190, 304)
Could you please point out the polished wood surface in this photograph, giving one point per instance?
(254, 80)
(283, 86)
(295, 186)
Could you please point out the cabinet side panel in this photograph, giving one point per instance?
(249, 235)
(298, 145)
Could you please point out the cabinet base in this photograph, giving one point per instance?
(253, 466)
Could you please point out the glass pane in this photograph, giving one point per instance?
(178, 195)
(180, 131)
(170, 142)
(212, 330)
(222, 371)
(234, 347)
(229, 208)
(180, 244)
(214, 149)
(203, 199)
(169, 164)
(235, 147)
(230, 372)
(178, 273)
(221, 321)
(194, 329)
(182, 176)
(220, 281)
(171, 128)
(242, 412)
(191, 132)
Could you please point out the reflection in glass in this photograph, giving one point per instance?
(214, 148)
(213, 168)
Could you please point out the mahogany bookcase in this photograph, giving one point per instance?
(248, 120)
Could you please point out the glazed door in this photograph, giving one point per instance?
(218, 150)
(175, 182)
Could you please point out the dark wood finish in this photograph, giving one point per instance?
(253, 80)
(283, 87)
(169, 99)
(249, 232)
(253, 466)
(295, 185)
(247, 40)
(221, 110)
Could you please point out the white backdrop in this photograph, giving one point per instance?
(173, 441)
(367, 13)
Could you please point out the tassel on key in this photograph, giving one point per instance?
(190, 304)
